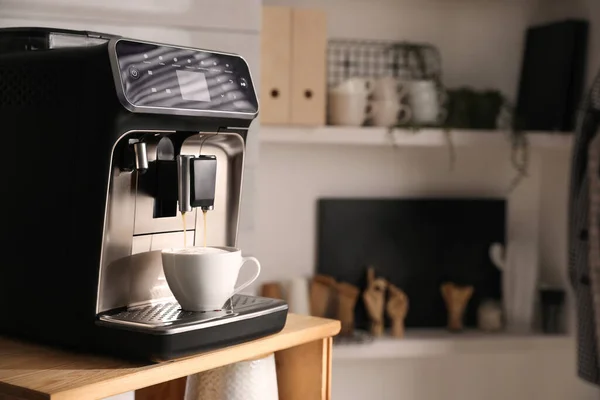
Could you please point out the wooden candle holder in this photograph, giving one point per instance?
(374, 299)
(397, 308)
(456, 299)
(271, 290)
(322, 292)
(347, 295)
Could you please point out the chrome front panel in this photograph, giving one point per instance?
(131, 269)
(113, 284)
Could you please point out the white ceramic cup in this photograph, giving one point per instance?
(355, 86)
(205, 281)
(347, 109)
(389, 112)
(390, 88)
(425, 102)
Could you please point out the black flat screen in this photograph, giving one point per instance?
(173, 77)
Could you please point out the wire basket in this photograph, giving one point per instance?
(374, 59)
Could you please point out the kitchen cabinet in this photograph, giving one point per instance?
(293, 66)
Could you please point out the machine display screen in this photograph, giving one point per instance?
(193, 85)
(172, 77)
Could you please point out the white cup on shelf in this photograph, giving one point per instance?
(425, 101)
(348, 102)
(347, 109)
(388, 112)
(354, 86)
(390, 88)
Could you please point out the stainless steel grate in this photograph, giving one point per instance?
(245, 301)
(155, 314)
(170, 313)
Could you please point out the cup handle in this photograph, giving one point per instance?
(369, 111)
(402, 89)
(442, 115)
(404, 114)
(249, 281)
(369, 86)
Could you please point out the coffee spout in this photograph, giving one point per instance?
(196, 178)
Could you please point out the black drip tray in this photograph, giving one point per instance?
(168, 317)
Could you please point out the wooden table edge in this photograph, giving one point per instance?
(175, 369)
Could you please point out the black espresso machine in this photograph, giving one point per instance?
(107, 140)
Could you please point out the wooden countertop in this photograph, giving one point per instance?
(29, 371)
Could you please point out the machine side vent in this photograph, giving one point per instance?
(29, 87)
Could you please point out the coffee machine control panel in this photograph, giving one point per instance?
(174, 80)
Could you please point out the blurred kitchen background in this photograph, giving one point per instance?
(428, 139)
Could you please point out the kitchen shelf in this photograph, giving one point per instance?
(31, 371)
(374, 136)
(435, 343)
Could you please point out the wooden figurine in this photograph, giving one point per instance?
(374, 299)
(456, 299)
(347, 295)
(322, 292)
(397, 308)
(271, 290)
